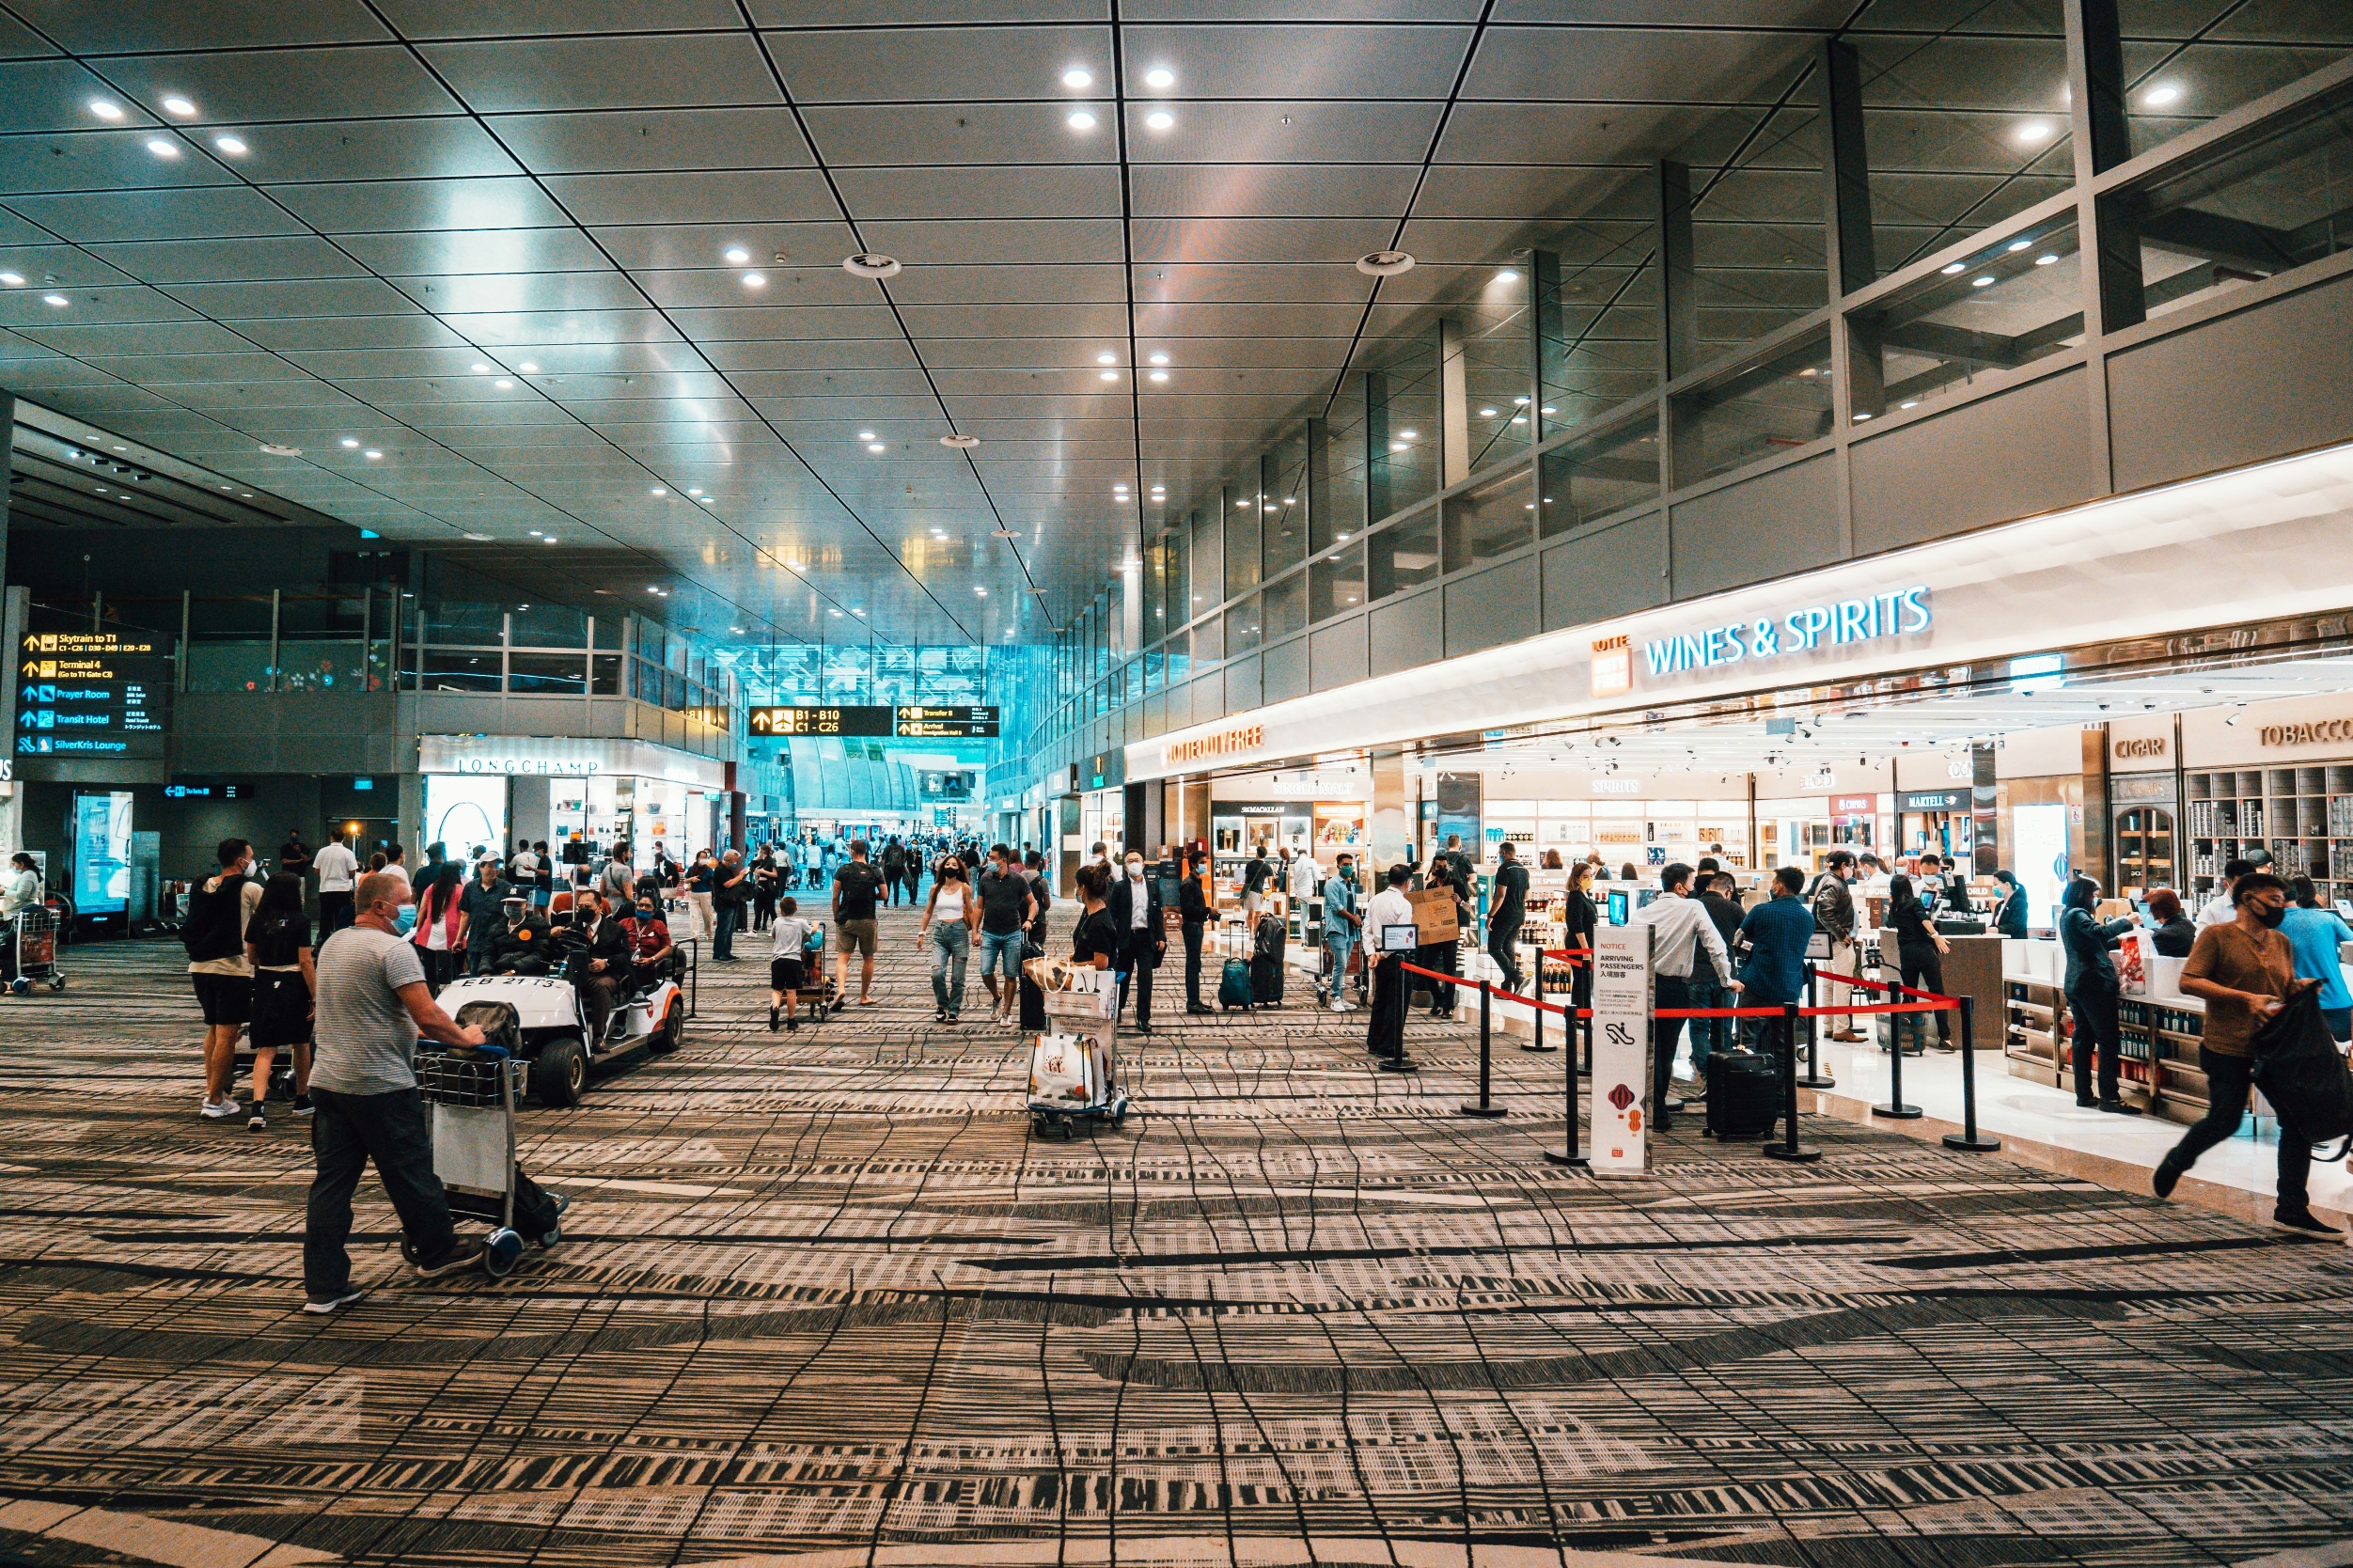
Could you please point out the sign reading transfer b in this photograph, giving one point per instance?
(1621, 1050)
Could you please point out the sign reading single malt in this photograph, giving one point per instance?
(1218, 743)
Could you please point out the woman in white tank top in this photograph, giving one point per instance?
(949, 919)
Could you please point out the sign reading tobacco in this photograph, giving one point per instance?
(2322, 733)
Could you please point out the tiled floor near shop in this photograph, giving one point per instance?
(825, 1301)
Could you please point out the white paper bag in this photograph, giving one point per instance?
(1063, 1069)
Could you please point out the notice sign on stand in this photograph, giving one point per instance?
(1621, 1050)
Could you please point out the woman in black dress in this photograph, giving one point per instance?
(1582, 917)
(1919, 951)
(1095, 940)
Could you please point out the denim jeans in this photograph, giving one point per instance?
(1709, 1034)
(346, 1132)
(726, 918)
(1000, 953)
(1339, 948)
(951, 941)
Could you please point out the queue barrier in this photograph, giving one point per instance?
(1788, 1148)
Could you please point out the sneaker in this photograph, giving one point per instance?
(2303, 1220)
(465, 1254)
(555, 1233)
(954, 1018)
(221, 1110)
(1344, 1006)
(302, 1105)
(772, 1019)
(257, 1123)
(320, 1306)
(2117, 1107)
(2167, 1176)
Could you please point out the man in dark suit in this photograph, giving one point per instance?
(1192, 912)
(603, 949)
(1135, 904)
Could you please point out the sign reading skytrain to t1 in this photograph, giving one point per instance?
(1897, 613)
(89, 694)
(973, 722)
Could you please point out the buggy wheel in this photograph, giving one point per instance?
(561, 1074)
(19, 987)
(501, 1250)
(673, 1029)
(57, 982)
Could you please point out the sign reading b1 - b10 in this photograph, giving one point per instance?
(972, 722)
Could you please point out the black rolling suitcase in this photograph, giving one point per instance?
(1742, 1101)
(1266, 963)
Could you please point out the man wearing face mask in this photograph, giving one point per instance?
(2245, 970)
(1135, 904)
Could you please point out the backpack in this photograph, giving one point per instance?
(213, 926)
(2297, 1068)
(1267, 941)
(1233, 984)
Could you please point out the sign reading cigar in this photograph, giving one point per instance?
(1218, 743)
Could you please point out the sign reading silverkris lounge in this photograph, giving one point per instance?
(1897, 613)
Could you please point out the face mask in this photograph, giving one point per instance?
(2270, 918)
(1135, 869)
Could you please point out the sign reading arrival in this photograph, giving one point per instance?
(1218, 743)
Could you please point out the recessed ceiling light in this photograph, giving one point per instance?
(871, 264)
(1160, 375)
(1106, 359)
(1985, 282)
(2017, 246)
(2034, 130)
(230, 144)
(1409, 435)
(1401, 447)
(738, 255)
(754, 281)
(484, 539)
(877, 447)
(529, 369)
(1950, 268)
(710, 500)
(1548, 409)
(1108, 375)
(547, 539)
(1160, 359)
(350, 442)
(1486, 414)
(373, 453)
(2160, 95)
(535, 533)
(179, 105)
(1507, 275)
(104, 109)
(481, 370)
(962, 443)
(694, 490)
(13, 280)
(1860, 417)
(1912, 402)
(503, 384)
(1384, 263)
(276, 450)
(1160, 78)
(1080, 120)
(1521, 401)
(163, 148)
(981, 591)
(1077, 77)
(2046, 260)
(865, 435)
(659, 490)
(1160, 119)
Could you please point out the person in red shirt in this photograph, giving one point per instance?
(650, 946)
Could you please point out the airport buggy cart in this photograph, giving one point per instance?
(473, 1097)
(31, 954)
(1074, 1065)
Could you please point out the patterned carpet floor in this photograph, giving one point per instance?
(824, 1300)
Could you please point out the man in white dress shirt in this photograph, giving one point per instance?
(1680, 927)
(1385, 1031)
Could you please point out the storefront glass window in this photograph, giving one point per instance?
(1284, 510)
(1603, 473)
(457, 670)
(1339, 500)
(1209, 553)
(542, 625)
(1758, 411)
(2190, 61)
(1336, 583)
(608, 675)
(2019, 301)
(1402, 437)
(1243, 627)
(1284, 606)
(1241, 501)
(1401, 554)
(1496, 367)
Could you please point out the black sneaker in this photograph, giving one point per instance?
(2303, 1220)
(320, 1306)
(556, 1231)
(257, 1123)
(772, 1020)
(302, 1105)
(464, 1255)
(2117, 1107)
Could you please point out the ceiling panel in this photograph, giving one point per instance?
(409, 205)
(443, 146)
(654, 140)
(694, 196)
(355, 83)
(642, 70)
(93, 217)
(230, 260)
(938, 64)
(1294, 60)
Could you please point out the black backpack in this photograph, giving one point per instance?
(213, 926)
(2297, 1068)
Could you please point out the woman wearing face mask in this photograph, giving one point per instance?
(2245, 971)
(950, 919)
(2090, 988)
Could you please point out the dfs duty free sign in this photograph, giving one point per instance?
(89, 694)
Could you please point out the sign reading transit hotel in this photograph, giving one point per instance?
(1897, 613)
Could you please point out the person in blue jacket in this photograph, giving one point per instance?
(2313, 934)
(2090, 988)
(1775, 934)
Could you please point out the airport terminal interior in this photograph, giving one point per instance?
(1434, 783)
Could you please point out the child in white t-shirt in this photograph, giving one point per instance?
(788, 964)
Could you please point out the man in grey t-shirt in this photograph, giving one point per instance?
(372, 1003)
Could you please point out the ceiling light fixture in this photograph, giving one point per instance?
(350, 444)
(481, 370)
(871, 264)
(1486, 414)
(737, 254)
(164, 150)
(865, 435)
(276, 450)
(1077, 78)
(529, 369)
(754, 281)
(1384, 263)
(373, 453)
(1409, 435)
(1910, 402)
(1160, 375)
(503, 384)
(1108, 375)
(710, 500)
(659, 490)
(1160, 78)
(1985, 282)
(180, 106)
(1507, 275)
(1160, 119)
(2046, 260)
(2160, 95)
(1952, 267)
(1080, 120)
(234, 147)
(13, 280)
(962, 443)
(105, 110)
(1106, 359)
(2034, 130)
(877, 447)
(2017, 246)
(1159, 359)
(484, 539)
(694, 490)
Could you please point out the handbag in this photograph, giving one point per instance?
(2298, 1070)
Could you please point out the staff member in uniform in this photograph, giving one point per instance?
(1192, 914)
(1508, 913)
(1134, 905)
(1385, 1031)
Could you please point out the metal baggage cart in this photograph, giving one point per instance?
(33, 951)
(1095, 1014)
(473, 1099)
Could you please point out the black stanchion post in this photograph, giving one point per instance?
(1538, 1042)
(1895, 1107)
(1570, 1154)
(1483, 1108)
(1814, 1077)
(1968, 1137)
(1789, 1147)
(1401, 1062)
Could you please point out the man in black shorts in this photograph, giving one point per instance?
(214, 933)
(856, 888)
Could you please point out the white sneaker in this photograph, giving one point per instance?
(218, 1110)
(1344, 1006)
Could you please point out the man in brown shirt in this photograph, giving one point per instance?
(2244, 971)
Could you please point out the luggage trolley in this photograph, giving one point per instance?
(32, 953)
(473, 1098)
(1074, 1066)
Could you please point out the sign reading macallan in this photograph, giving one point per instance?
(1218, 743)
(2323, 733)
(1613, 666)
